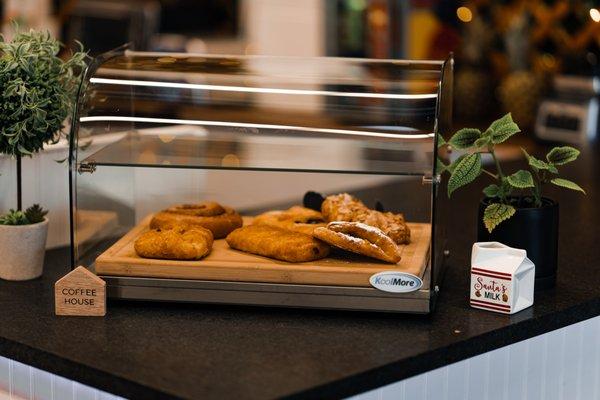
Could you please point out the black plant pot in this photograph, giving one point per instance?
(533, 229)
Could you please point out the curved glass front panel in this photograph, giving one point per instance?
(322, 114)
(253, 133)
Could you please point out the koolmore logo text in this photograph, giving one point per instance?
(395, 282)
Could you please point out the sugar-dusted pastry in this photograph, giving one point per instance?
(220, 220)
(296, 218)
(361, 239)
(177, 243)
(278, 243)
(344, 207)
(391, 224)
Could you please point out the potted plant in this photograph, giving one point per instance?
(514, 210)
(37, 91)
(22, 243)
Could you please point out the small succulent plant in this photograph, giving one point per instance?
(507, 189)
(35, 214)
(32, 215)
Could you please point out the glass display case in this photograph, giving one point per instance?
(315, 179)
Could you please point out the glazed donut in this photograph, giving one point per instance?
(296, 218)
(220, 220)
(177, 243)
(361, 239)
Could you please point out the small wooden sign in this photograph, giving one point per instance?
(81, 293)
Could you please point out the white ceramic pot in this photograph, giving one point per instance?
(22, 249)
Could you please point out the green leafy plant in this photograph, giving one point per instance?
(37, 94)
(32, 215)
(37, 91)
(508, 190)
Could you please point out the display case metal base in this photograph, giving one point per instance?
(267, 294)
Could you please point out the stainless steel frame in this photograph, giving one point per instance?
(270, 294)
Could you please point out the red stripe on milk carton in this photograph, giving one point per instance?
(491, 272)
(487, 303)
(496, 309)
(491, 276)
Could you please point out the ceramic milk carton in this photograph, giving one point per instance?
(502, 278)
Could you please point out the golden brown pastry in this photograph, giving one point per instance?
(278, 243)
(344, 207)
(361, 239)
(296, 218)
(178, 243)
(220, 220)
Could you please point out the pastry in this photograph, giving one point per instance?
(296, 218)
(278, 243)
(344, 207)
(177, 243)
(361, 239)
(391, 224)
(220, 220)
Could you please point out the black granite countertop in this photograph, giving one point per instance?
(153, 350)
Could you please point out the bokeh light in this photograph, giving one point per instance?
(464, 14)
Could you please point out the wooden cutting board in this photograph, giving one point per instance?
(225, 264)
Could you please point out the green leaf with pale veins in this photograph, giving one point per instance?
(492, 190)
(483, 141)
(503, 128)
(521, 179)
(537, 164)
(567, 184)
(562, 155)
(495, 213)
(439, 166)
(464, 172)
(464, 138)
(453, 165)
(441, 141)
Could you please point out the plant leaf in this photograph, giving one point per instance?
(24, 151)
(567, 184)
(492, 190)
(538, 164)
(495, 213)
(453, 165)
(505, 187)
(440, 167)
(465, 172)
(562, 155)
(482, 142)
(521, 179)
(503, 128)
(441, 141)
(35, 214)
(464, 138)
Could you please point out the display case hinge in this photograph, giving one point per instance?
(431, 179)
(88, 167)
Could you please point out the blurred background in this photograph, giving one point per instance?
(536, 58)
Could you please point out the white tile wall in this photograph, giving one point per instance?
(22, 382)
(561, 365)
